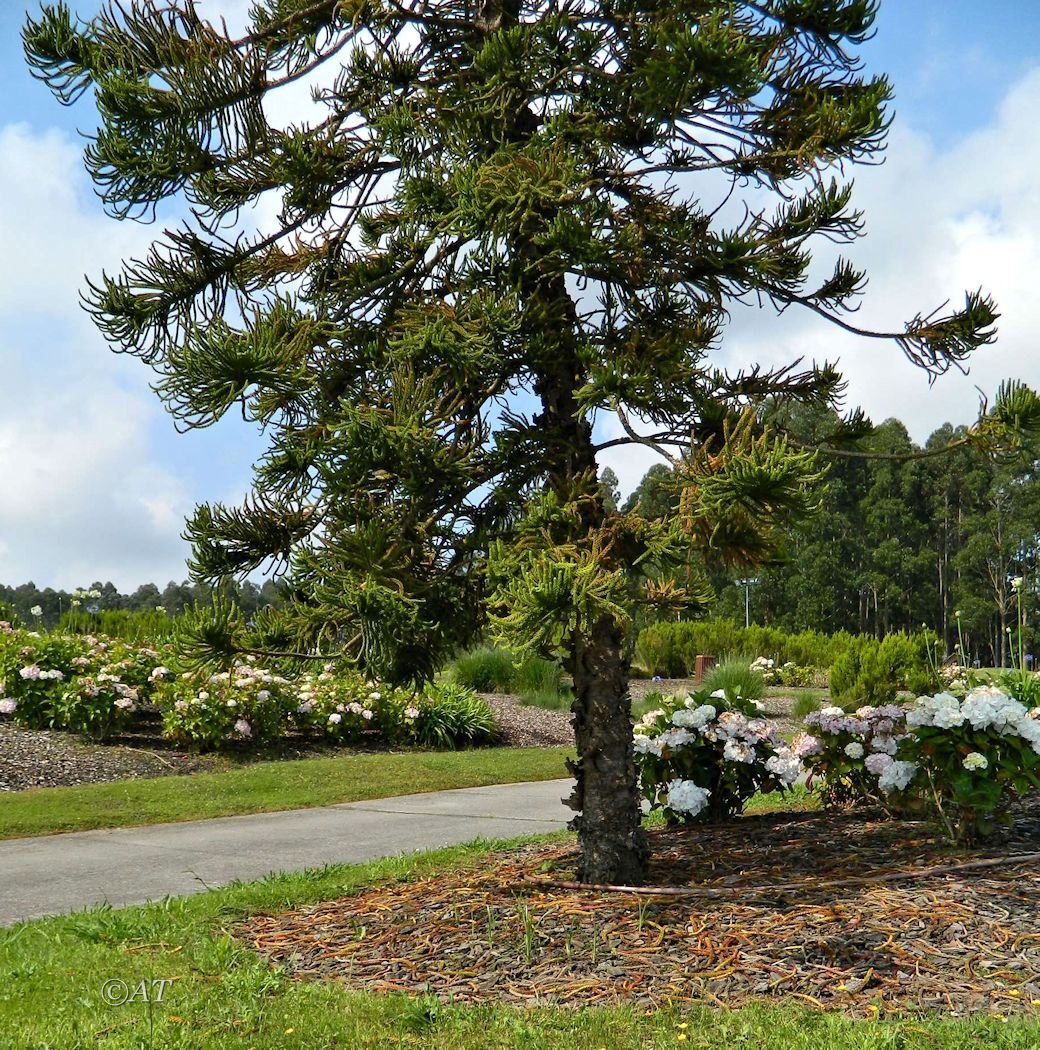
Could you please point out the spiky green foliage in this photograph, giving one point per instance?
(506, 225)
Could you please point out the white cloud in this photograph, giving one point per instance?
(83, 496)
(939, 223)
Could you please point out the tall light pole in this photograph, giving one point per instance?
(747, 585)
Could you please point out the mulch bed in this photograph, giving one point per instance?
(776, 914)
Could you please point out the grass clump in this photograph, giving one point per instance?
(540, 683)
(485, 669)
(736, 679)
(452, 716)
(805, 704)
(488, 669)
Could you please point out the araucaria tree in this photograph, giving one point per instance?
(506, 223)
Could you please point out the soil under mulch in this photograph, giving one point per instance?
(959, 942)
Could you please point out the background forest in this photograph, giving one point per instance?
(899, 543)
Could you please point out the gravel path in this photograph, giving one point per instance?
(529, 726)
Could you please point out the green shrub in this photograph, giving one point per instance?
(670, 649)
(872, 672)
(149, 625)
(485, 669)
(737, 680)
(449, 717)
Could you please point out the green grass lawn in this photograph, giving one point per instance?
(221, 995)
(268, 786)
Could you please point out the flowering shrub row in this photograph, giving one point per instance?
(705, 755)
(84, 684)
(962, 759)
(95, 686)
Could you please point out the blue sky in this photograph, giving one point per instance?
(95, 482)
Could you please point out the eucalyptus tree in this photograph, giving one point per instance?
(506, 223)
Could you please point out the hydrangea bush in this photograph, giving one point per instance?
(246, 705)
(35, 670)
(964, 759)
(703, 756)
(847, 751)
(341, 704)
(970, 757)
(97, 686)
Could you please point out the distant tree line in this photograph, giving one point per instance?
(898, 542)
(100, 597)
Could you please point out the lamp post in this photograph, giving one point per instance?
(747, 585)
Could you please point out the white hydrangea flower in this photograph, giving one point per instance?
(854, 750)
(737, 751)
(697, 718)
(784, 765)
(976, 760)
(877, 763)
(675, 738)
(897, 776)
(884, 744)
(646, 745)
(684, 796)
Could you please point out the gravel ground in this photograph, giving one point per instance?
(529, 726)
(37, 758)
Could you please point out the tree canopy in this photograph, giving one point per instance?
(509, 221)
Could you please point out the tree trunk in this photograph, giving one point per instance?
(609, 822)
(606, 794)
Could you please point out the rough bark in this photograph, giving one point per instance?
(613, 843)
(606, 795)
(609, 823)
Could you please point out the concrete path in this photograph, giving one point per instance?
(52, 874)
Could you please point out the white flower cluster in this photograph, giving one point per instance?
(975, 760)
(785, 765)
(32, 673)
(684, 796)
(985, 707)
(693, 718)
